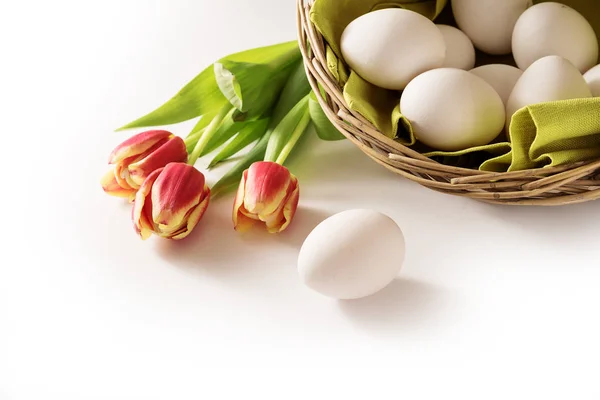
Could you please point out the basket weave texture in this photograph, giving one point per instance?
(549, 186)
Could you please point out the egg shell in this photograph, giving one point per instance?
(489, 23)
(550, 78)
(390, 47)
(352, 254)
(501, 77)
(592, 77)
(554, 29)
(451, 109)
(460, 52)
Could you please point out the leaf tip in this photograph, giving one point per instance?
(213, 164)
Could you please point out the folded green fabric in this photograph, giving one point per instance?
(542, 135)
(546, 134)
(555, 133)
(338, 69)
(379, 106)
(492, 157)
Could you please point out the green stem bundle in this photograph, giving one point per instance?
(208, 133)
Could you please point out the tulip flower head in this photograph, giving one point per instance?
(172, 199)
(268, 193)
(170, 202)
(136, 158)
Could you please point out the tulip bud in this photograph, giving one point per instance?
(170, 202)
(269, 193)
(137, 157)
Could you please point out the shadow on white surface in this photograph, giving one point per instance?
(216, 248)
(210, 245)
(337, 162)
(405, 305)
(305, 220)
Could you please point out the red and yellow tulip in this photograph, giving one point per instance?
(268, 193)
(170, 202)
(136, 158)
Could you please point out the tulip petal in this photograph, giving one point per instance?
(142, 207)
(178, 189)
(241, 222)
(130, 181)
(266, 188)
(282, 217)
(269, 193)
(173, 150)
(143, 226)
(121, 175)
(138, 144)
(194, 216)
(291, 205)
(112, 187)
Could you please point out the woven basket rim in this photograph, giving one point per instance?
(548, 186)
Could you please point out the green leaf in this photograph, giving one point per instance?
(231, 125)
(229, 85)
(251, 132)
(202, 94)
(197, 131)
(209, 132)
(298, 126)
(266, 54)
(284, 131)
(231, 179)
(323, 126)
(289, 130)
(203, 122)
(255, 87)
(192, 139)
(225, 132)
(295, 89)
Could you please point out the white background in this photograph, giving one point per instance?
(492, 302)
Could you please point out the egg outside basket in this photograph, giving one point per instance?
(550, 186)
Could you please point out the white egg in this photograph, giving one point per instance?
(451, 109)
(353, 254)
(592, 77)
(389, 47)
(489, 23)
(554, 29)
(501, 77)
(460, 52)
(550, 78)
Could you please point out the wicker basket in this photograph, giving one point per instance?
(554, 186)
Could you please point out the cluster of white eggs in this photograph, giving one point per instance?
(452, 105)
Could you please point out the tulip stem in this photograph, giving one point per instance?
(208, 133)
(296, 135)
(193, 137)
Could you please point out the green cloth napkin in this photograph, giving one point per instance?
(545, 134)
(555, 133)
